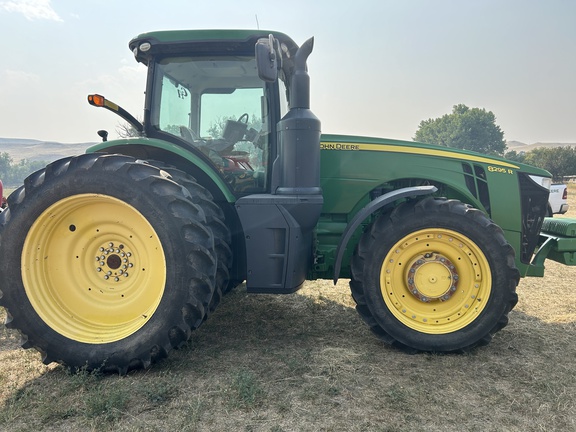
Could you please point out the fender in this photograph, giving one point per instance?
(378, 203)
(119, 146)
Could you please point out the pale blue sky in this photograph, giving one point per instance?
(378, 68)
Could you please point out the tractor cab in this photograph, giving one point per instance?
(206, 95)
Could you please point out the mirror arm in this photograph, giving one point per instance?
(101, 101)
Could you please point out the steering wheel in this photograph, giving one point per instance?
(235, 129)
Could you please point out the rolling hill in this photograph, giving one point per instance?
(520, 146)
(36, 150)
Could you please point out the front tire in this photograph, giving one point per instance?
(434, 275)
(104, 263)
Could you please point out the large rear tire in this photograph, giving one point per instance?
(434, 275)
(215, 220)
(104, 263)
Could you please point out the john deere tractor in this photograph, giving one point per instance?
(112, 258)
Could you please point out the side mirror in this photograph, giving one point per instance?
(267, 59)
(103, 134)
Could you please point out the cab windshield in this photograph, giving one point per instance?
(218, 106)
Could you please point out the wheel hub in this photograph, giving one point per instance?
(113, 262)
(431, 277)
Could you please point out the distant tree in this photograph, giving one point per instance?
(5, 162)
(23, 169)
(513, 155)
(465, 128)
(560, 161)
(13, 174)
(126, 130)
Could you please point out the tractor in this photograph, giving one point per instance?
(110, 259)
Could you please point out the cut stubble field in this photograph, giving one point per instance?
(306, 362)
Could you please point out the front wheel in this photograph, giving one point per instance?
(434, 275)
(104, 263)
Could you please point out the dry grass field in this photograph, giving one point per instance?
(306, 362)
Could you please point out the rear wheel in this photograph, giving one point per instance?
(105, 263)
(215, 220)
(435, 275)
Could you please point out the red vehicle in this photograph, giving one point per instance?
(2, 198)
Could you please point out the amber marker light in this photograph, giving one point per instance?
(96, 100)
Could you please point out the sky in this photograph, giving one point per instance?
(379, 67)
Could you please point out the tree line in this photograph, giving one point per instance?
(13, 173)
(476, 129)
(560, 161)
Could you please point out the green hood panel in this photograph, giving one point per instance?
(360, 143)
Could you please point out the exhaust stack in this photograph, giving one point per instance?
(297, 167)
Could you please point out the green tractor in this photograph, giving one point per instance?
(112, 258)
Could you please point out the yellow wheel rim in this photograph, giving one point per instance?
(93, 268)
(435, 281)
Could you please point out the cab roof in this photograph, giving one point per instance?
(179, 42)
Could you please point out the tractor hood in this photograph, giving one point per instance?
(361, 143)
